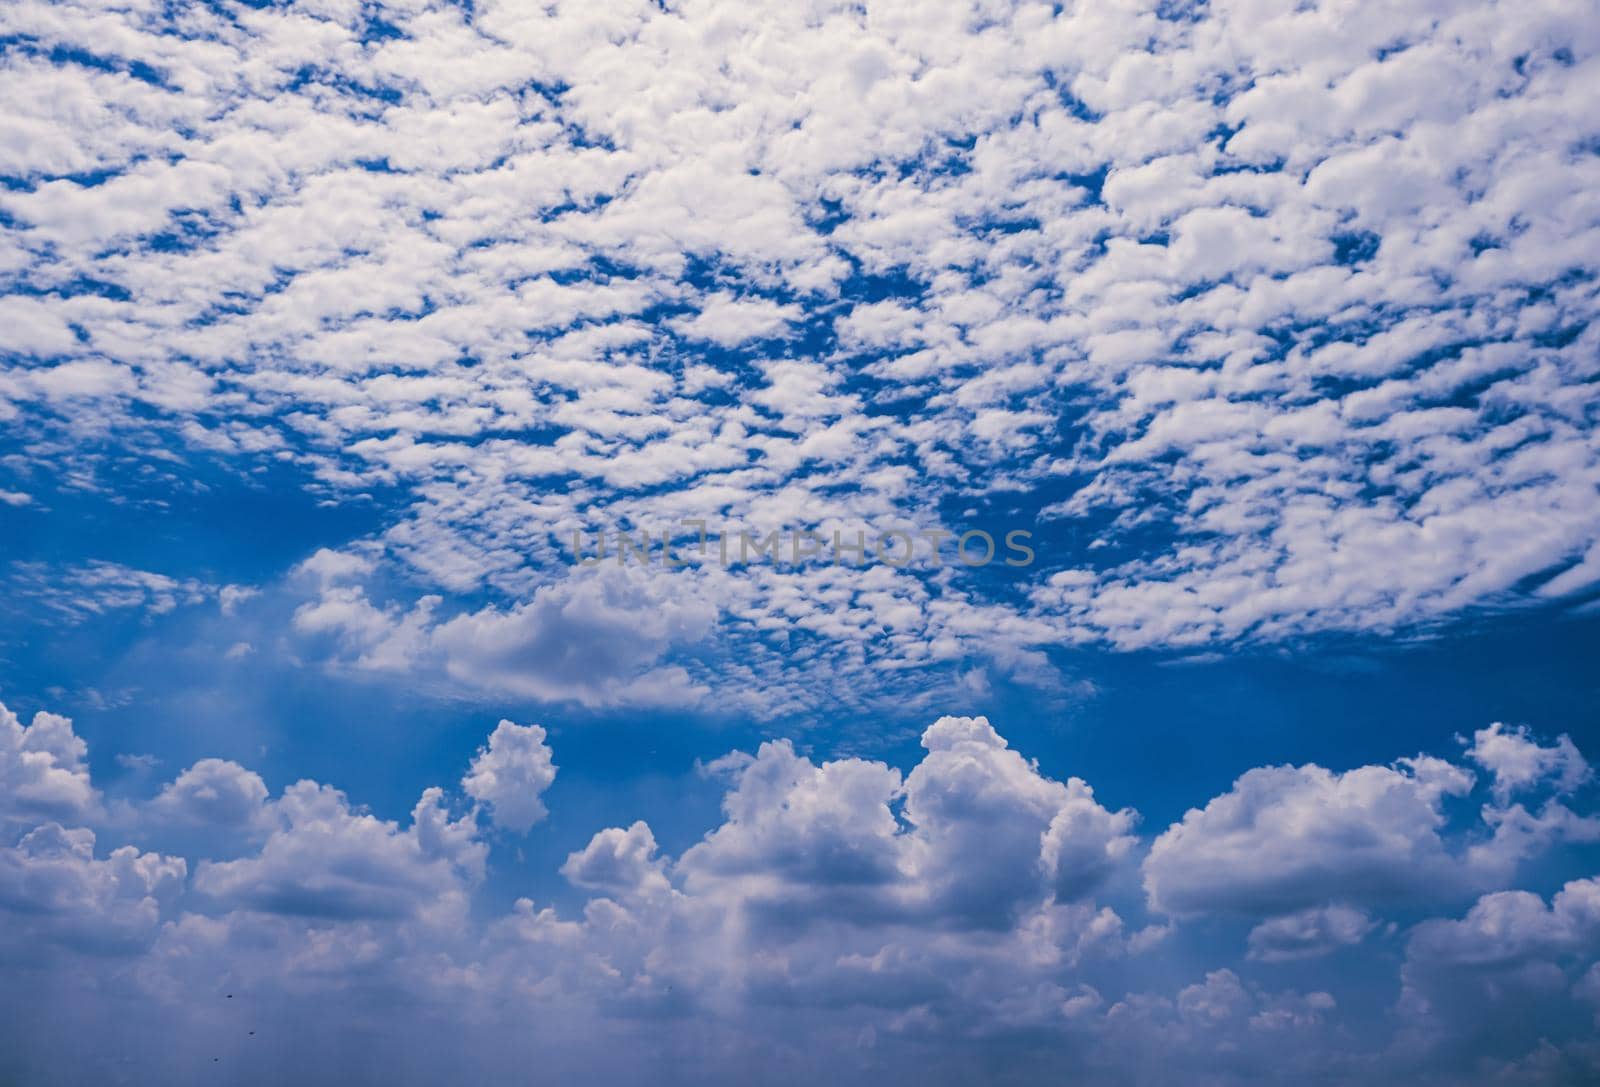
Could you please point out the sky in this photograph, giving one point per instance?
(1211, 387)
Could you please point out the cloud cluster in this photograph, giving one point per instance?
(969, 916)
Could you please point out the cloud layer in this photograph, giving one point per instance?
(1279, 316)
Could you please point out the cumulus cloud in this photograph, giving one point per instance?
(510, 774)
(592, 641)
(937, 919)
(621, 863)
(987, 816)
(1288, 838)
(985, 837)
(792, 828)
(57, 892)
(1508, 976)
(1513, 926)
(42, 769)
(1312, 848)
(325, 860)
(1518, 762)
(216, 793)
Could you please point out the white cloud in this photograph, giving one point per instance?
(215, 793)
(55, 891)
(511, 774)
(42, 769)
(1317, 853)
(597, 640)
(987, 841)
(1518, 762)
(325, 860)
(594, 641)
(620, 863)
(1289, 838)
(993, 825)
(1511, 926)
(1493, 984)
(728, 322)
(1308, 933)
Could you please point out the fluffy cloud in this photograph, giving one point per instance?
(620, 863)
(215, 793)
(964, 914)
(992, 830)
(596, 640)
(511, 774)
(1513, 926)
(57, 892)
(1288, 838)
(792, 828)
(326, 860)
(42, 769)
(1519, 763)
(1512, 976)
(985, 838)
(1305, 844)
(1225, 1028)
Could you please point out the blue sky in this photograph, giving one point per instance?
(325, 325)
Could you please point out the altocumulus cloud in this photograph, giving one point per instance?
(1287, 308)
(967, 917)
